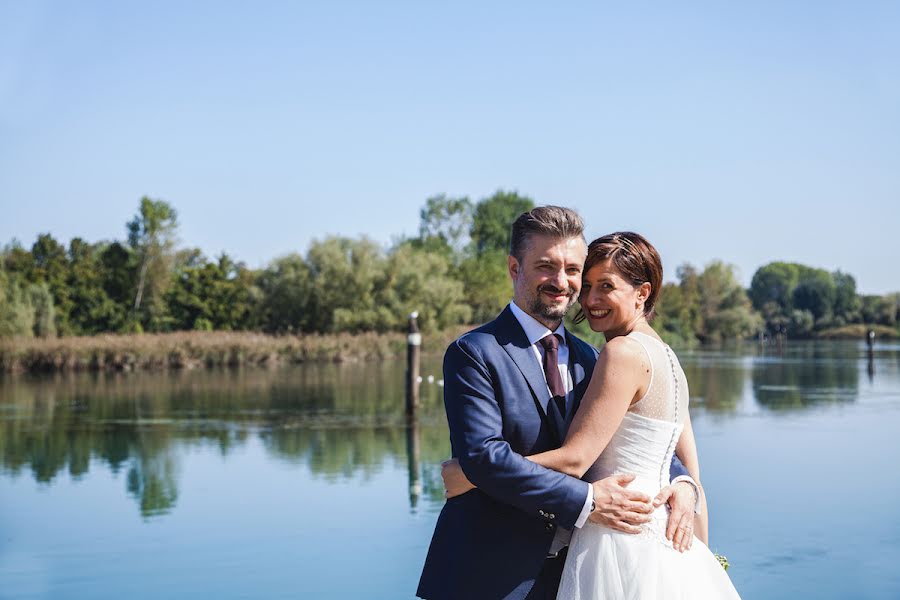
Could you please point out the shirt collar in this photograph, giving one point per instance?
(534, 329)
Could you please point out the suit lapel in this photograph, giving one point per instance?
(512, 338)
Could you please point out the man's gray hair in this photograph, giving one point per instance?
(553, 221)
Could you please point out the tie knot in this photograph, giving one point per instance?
(550, 342)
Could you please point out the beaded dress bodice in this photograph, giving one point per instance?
(645, 441)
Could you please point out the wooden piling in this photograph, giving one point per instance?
(413, 354)
(413, 451)
(870, 342)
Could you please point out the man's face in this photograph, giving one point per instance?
(547, 280)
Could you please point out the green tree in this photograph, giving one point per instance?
(815, 292)
(493, 219)
(211, 295)
(725, 309)
(51, 266)
(286, 288)
(92, 309)
(880, 310)
(151, 235)
(801, 323)
(678, 309)
(17, 260)
(420, 281)
(486, 282)
(16, 310)
(445, 225)
(118, 276)
(846, 301)
(343, 275)
(772, 291)
(44, 311)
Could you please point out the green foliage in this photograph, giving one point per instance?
(420, 281)
(453, 273)
(815, 292)
(16, 310)
(44, 312)
(678, 317)
(774, 284)
(725, 309)
(286, 290)
(802, 301)
(151, 236)
(847, 303)
(445, 225)
(343, 278)
(208, 295)
(92, 307)
(493, 218)
(710, 307)
(486, 282)
(50, 266)
(881, 310)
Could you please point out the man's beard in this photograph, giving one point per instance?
(538, 307)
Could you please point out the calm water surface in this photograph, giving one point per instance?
(305, 482)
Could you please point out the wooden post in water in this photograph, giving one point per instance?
(413, 351)
(412, 463)
(870, 342)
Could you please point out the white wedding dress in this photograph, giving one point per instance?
(607, 564)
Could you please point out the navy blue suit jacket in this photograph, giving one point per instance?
(491, 543)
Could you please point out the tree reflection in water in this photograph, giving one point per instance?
(337, 421)
(341, 421)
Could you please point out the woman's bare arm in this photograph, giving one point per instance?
(620, 373)
(686, 449)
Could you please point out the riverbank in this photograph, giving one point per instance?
(194, 349)
(858, 332)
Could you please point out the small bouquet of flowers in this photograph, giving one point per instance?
(723, 560)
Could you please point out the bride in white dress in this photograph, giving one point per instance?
(633, 416)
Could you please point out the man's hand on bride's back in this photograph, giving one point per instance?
(617, 507)
(455, 481)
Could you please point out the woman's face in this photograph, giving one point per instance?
(610, 302)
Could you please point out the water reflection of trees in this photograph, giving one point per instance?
(339, 421)
(784, 385)
(803, 375)
(715, 382)
(343, 421)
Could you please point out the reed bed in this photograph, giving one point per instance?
(858, 331)
(195, 349)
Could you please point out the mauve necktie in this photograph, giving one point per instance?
(551, 371)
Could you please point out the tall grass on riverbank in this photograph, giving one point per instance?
(858, 331)
(186, 350)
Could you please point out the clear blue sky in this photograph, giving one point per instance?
(749, 132)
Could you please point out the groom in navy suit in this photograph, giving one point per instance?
(511, 389)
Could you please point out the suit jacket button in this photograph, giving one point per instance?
(551, 516)
(549, 526)
(543, 514)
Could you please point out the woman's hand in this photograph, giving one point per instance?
(455, 481)
(682, 499)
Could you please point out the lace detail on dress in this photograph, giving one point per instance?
(667, 382)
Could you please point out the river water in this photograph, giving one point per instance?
(306, 481)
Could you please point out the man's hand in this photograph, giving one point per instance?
(682, 499)
(455, 481)
(619, 508)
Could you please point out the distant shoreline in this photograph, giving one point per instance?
(195, 349)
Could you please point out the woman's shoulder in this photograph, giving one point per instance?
(622, 349)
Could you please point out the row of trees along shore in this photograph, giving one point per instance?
(453, 273)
